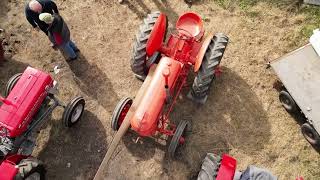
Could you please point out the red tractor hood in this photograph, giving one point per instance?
(145, 118)
(24, 101)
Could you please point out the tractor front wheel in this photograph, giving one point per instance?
(139, 58)
(120, 113)
(73, 112)
(31, 169)
(209, 68)
(11, 83)
(178, 137)
(311, 135)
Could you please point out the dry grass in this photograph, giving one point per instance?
(242, 117)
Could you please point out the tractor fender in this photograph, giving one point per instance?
(202, 52)
(157, 35)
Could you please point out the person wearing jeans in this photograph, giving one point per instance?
(59, 35)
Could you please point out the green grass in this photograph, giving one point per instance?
(312, 13)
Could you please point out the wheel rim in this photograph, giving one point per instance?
(286, 102)
(309, 135)
(123, 113)
(34, 176)
(76, 113)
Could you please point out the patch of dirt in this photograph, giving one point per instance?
(242, 116)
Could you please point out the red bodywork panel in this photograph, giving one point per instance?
(8, 170)
(157, 35)
(227, 168)
(24, 101)
(145, 119)
(202, 52)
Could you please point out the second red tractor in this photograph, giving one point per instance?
(164, 67)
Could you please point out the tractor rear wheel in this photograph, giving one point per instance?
(120, 113)
(31, 169)
(311, 135)
(178, 137)
(139, 58)
(209, 67)
(73, 112)
(11, 83)
(209, 167)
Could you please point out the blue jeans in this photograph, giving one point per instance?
(69, 49)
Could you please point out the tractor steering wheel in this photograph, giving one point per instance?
(185, 35)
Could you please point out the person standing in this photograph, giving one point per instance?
(36, 7)
(59, 35)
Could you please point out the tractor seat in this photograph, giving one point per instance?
(191, 23)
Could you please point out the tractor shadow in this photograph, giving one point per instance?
(232, 118)
(76, 151)
(141, 9)
(165, 7)
(94, 82)
(145, 148)
(8, 68)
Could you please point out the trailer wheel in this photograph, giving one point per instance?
(311, 135)
(120, 112)
(73, 112)
(139, 58)
(178, 137)
(207, 72)
(31, 169)
(209, 167)
(11, 83)
(288, 102)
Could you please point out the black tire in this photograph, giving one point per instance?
(11, 83)
(206, 74)
(288, 102)
(311, 135)
(30, 167)
(73, 111)
(139, 58)
(117, 112)
(209, 167)
(181, 131)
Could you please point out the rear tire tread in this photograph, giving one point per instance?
(206, 74)
(138, 61)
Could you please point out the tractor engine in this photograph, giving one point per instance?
(161, 88)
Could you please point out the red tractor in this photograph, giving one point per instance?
(224, 168)
(30, 99)
(164, 67)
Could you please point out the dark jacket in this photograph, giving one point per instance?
(58, 31)
(48, 6)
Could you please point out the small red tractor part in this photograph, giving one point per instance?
(164, 66)
(30, 99)
(224, 168)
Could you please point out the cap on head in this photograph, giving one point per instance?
(35, 6)
(46, 17)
